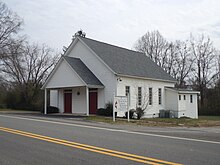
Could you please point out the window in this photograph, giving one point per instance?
(191, 98)
(159, 96)
(127, 93)
(127, 90)
(179, 97)
(150, 96)
(184, 97)
(139, 96)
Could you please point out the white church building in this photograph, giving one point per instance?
(90, 72)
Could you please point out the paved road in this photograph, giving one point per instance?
(40, 140)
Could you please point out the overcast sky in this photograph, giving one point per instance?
(118, 22)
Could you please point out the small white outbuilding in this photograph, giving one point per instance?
(182, 102)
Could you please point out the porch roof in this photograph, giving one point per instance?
(83, 71)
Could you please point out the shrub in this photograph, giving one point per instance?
(2, 106)
(51, 109)
(101, 111)
(140, 112)
(107, 111)
(131, 114)
(184, 117)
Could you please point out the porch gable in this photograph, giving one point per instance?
(64, 76)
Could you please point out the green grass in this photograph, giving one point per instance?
(12, 110)
(209, 117)
(99, 119)
(5, 109)
(203, 121)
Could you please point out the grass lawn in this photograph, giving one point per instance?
(203, 121)
(6, 110)
(210, 117)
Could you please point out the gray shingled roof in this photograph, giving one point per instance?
(83, 71)
(127, 62)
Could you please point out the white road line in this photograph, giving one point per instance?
(113, 130)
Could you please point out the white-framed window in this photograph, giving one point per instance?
(191, 98)
(150, 96)
(139, 96)
(179, 97)
(159, 96)
(127, 90)
(184, 97)
(127, 93)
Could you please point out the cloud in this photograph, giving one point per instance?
(119, 22)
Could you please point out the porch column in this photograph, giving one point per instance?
(87, 101)
(45, 101)
(58, 95)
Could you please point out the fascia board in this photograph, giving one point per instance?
(173, 90)
(71, 46)
(188, 92)
(96, 86)
(144, 78)
(52, 72)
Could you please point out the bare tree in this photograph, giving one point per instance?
(183, 62)
(194, 61)
(217, 80)
(170, 59)
(178, 58)
(162, 52)
(10, 24)
(26, 68)
(205, 62)
(23, 66)
(154, 45)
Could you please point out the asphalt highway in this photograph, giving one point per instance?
(27, 140)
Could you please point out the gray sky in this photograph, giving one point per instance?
(118, 22)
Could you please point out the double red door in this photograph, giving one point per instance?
(93, 99)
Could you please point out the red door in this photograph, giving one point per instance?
(92, 102)
(67, 102)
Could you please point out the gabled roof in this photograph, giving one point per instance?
(83, 71)
(127, 62)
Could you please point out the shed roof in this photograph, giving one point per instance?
(182, 90)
